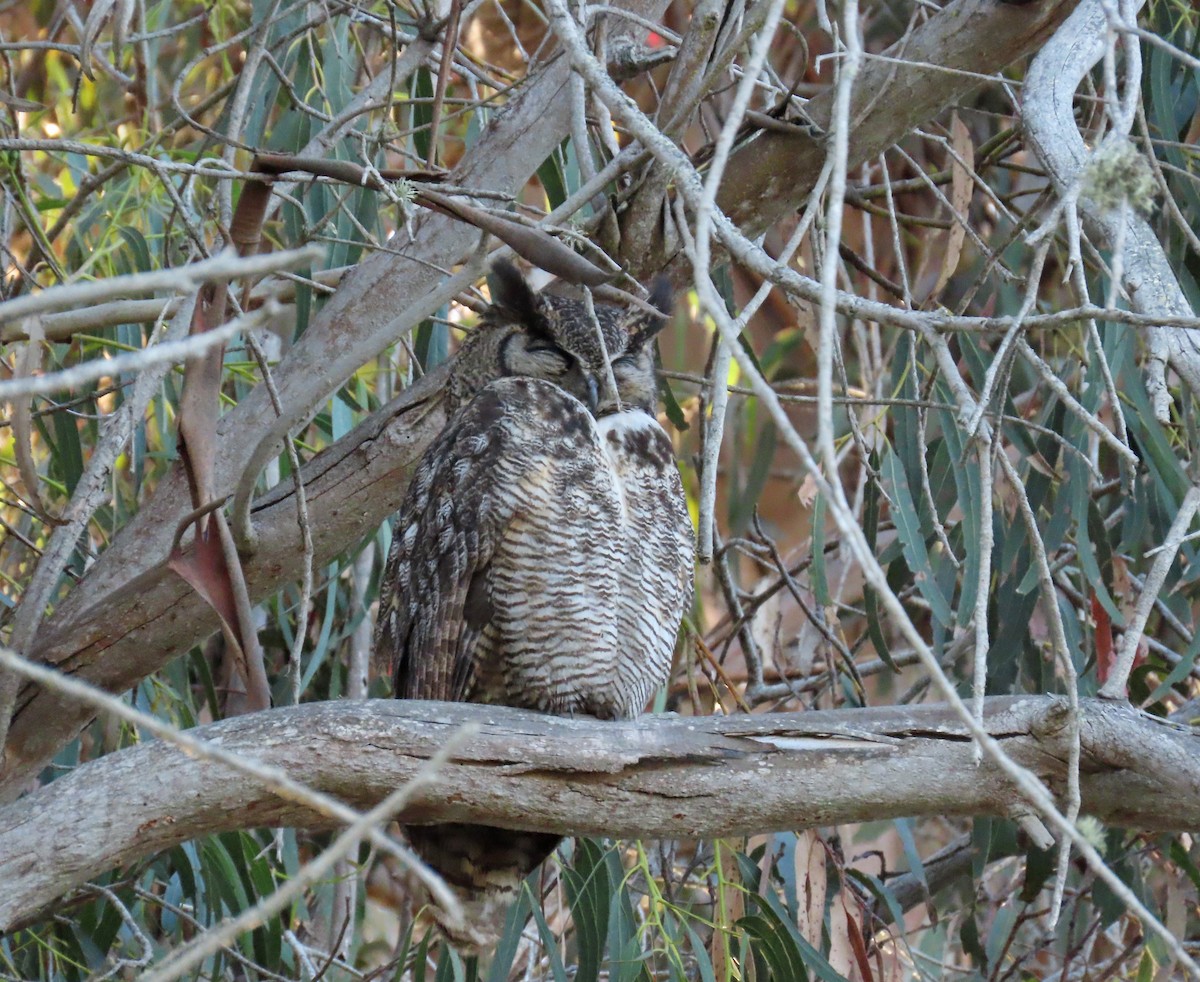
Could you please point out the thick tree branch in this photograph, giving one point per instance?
(658, 776)
(935, 66)
(352, 486)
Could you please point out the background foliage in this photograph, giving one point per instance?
(138, 135)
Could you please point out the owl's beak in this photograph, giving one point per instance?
(608, 400)
(593, 394)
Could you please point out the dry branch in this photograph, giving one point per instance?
(658, 776)
(179, 279)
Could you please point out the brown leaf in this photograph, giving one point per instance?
(811, 879)
(857, 943)
(841, 948)
(1105, 649)
(200, 403)
(205, 568)
(807, 492)
(246, 228)
(214, 568)
(962, 187)
(345, 171)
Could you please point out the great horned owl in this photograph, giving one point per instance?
(542, 557)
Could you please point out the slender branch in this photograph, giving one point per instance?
(931, 67)
(701, 248)
(62, 325)
(136, 361)
(181, 279)
(90, 493)
(366, 826)
(1164, 559)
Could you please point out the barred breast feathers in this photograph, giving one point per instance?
(542, 556)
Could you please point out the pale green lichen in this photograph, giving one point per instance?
(1093, 832)
(404, 189)
(1117, 172)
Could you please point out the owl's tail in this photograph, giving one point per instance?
(484, 866)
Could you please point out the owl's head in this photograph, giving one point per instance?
(535, 335)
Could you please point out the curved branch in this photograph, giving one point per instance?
(658, 776)
(1048, 113)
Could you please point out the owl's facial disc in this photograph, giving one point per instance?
(534, 357)
(602, 356)
(634, 374)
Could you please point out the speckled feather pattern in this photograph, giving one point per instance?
(542, 559)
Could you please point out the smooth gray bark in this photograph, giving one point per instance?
(658, 776)
(1048, 105)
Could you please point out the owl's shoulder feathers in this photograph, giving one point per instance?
(465, 493)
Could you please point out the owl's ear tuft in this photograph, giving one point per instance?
(662, 296)
(643, 325)
(511, 292)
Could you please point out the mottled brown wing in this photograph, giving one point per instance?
(435, 601)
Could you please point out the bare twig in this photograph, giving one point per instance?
(1164, 559)
(276, 780)
(91, 491)
(223, 267)
(169, 352)
(123, 964)
(1058, 637)
(365, 826)
(244, 531)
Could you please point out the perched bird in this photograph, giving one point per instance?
(542, 557)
